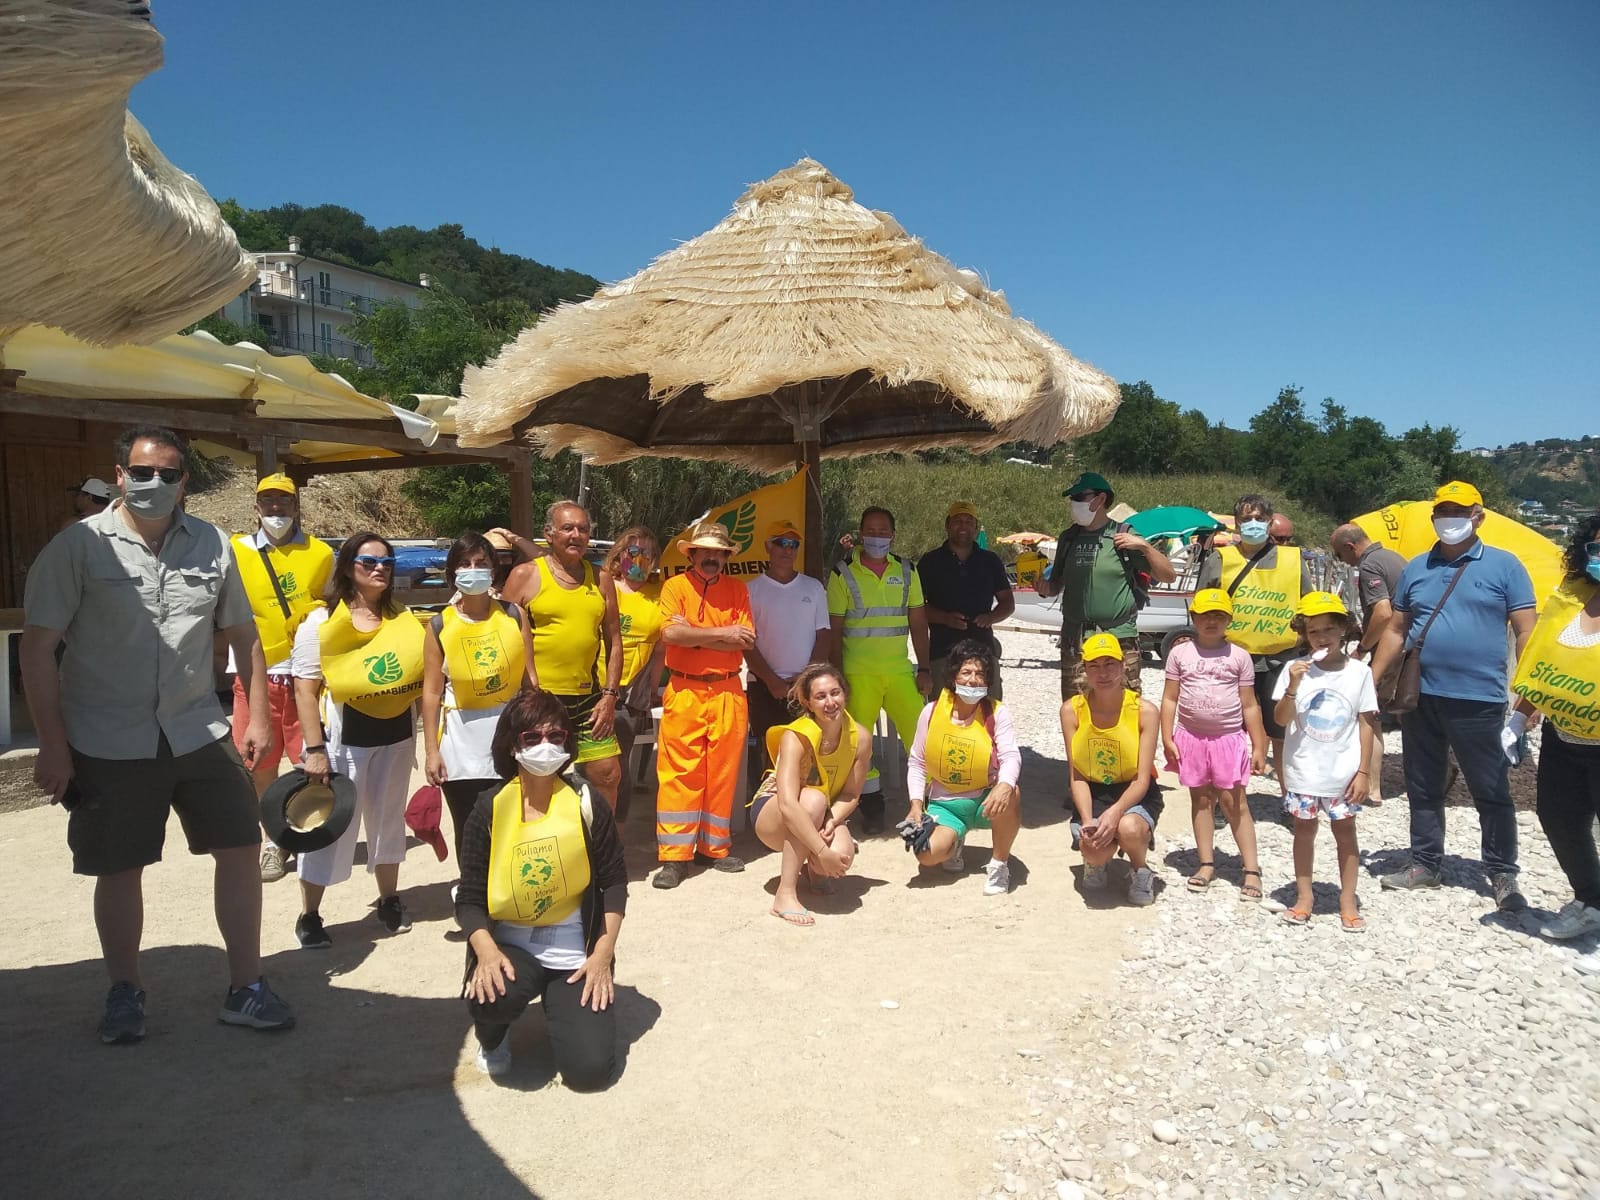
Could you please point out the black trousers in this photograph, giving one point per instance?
(1568, 803)
(583, 1041)
(460, 795)
(1470, 728)
(765, 712)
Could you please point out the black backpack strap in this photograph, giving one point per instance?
(277, 588)
(1249, 566)
(1141, 594)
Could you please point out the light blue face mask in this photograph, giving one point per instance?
(971, 694)
(1253, 532)
(1593, 569)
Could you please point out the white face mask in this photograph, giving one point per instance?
(877, 547)
(473, 581)
(971, 694)
(1452, 531)
(1252, 533)
(276, 527)
(543, 759)
(1082, 511)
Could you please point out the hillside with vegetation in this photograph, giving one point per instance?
(1553, 472)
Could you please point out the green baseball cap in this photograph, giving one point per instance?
(1088, 482)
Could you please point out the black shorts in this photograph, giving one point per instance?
(120, 822)
(1264, 683)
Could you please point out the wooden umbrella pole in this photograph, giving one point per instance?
(805, 418)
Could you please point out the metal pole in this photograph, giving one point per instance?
(583, 483)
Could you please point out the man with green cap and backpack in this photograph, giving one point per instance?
(1102, 571)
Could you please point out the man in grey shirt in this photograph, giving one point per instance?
(1378, 571)
(130, 728)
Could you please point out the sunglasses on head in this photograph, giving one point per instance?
(788, 543)
(532, 737)
(373, 561)
(144, 474)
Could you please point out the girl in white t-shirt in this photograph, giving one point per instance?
(1329, 709)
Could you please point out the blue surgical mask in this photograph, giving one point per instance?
(473, 581)
(970, 694)
(635, 572)
(877, 547)
(1253, 532)
(1593, 569)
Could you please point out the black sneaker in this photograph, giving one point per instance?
(393, 915)
(308, 931)
(728, 862)
(257, 1007)
(124, 1020)
(670, 875)
(1508, 896)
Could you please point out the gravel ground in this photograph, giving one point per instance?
(1447, 1052)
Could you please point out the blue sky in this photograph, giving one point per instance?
(1391, 204)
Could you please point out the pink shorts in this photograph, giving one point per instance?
(1220, 761)
(285, 721)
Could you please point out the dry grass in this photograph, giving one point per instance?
(334, 505)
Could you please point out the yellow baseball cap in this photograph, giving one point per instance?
(961, 508)
(783, 528)
(1211, 600)
(1318, 604)
(277, 483)
(1458, 492)
(1101, 645)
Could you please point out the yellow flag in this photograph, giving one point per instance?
(747, 519)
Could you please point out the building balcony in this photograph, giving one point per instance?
(336, 299)
(288, 341)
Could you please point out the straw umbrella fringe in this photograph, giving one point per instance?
(821, 316)
(101, 236)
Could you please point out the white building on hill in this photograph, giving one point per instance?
(303, 304)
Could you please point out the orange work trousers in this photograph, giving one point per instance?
(698, 750)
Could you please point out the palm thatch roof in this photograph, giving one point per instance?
(801, 316)
(100, 235)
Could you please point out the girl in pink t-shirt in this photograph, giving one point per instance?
(1212, 733)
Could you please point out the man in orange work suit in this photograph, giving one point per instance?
(708, 628)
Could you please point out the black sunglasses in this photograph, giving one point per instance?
(144, 474)
(372, 561)
(641, 552)
(100, 500)
(1083, 497)
(788, 543)
(532, 737)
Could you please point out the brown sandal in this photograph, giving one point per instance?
(1249, 892)
(1196, 883)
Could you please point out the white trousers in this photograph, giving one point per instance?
(381, 775)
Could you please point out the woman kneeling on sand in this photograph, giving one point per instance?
(964, 764)
(804, 803)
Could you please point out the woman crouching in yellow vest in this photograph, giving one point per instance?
(543, 891)
(803, 805)
(1110, 733)
(365, 650)
(477, 655)
(964, 766)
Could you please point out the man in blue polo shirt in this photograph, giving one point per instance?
(1464, 686)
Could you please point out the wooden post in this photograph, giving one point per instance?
(268, 458)
(521, 471)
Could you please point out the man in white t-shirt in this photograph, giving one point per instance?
(791, 616)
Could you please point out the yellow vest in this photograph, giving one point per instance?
(1264, 604)
(303, 572)
(483, 659)
(1562, 682)
(377, 673)
(958, 756)
(1107, 755)
(538, 870)
(876, 613)
(566, 631)
(829, 772)
(641, 620)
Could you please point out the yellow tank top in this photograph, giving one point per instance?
(483, 659)
(303, 572)
(641, 620)
(566, 631)
(1107, 755)
(831, 771)
(377, 673)
(538, 870)
(958, 756)
(1563, 682)
(1264, 604)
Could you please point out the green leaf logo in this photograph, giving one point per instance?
(383, 668)
(741, 525)
(287, 583)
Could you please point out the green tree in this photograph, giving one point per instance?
(1146, 434)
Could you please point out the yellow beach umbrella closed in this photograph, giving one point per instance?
(1407, 528)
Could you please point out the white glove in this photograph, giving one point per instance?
(1511, 737)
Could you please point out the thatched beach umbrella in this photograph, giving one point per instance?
(100, 235)
(802, 326)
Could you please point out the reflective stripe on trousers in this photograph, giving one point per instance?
(699, 748)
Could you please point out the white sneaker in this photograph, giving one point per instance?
(1575, 920)
(997, 877)
(498, 1060)
(1142, 887)
(957, 862)
(1094, 878)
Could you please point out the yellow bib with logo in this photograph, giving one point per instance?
(377, 673)
(566, 631)
(830, 772)
(1264, 604)
(538, 870)
(958, 756)
(1562, 682)
(1107, 755)
(484, 659)
(641, 620)
(303, 572)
